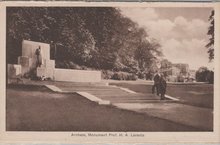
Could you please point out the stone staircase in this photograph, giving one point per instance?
(112, 94)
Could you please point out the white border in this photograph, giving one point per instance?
(150, 137)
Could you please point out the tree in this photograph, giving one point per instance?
(204, 75)
(97, 37)
(165, 66)
(210, 32)
(26, 23)
(146, 53)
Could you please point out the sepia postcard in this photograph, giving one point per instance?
(110, 72)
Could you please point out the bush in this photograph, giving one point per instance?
(141, 75)
(210, 77)
(124, 76)
(72, 65)
(149, 76)
(59, 64)
(180, 78)
(68, 65)
(106, 74)
(205, 76)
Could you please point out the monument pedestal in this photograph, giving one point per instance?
(14, 70)
(27, 65)
(46, 72)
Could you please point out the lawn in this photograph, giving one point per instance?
(200, 95)
(35, 108)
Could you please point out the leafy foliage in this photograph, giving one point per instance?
(166, 65)
(204, 75)
(94, 37)
(210, 32)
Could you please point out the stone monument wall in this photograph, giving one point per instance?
(27, 62)
(70, 75)
(14, 70)
(29, 48)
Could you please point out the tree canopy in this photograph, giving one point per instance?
(210, 32)
(95, 37)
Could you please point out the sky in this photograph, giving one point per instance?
(182, 32)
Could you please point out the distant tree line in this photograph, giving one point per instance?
(84, 37)
(203, 74)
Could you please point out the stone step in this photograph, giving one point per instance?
(140, 101)
(106, 91)
(127, 97)
(92, 89)
(81, 84)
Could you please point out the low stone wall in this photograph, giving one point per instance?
(46, 72)
(76, 75)
(14, 70)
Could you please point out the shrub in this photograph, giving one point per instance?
(210, 77)
(124, 76)
(68, 65)
(72, 65)
(132, 77)
(106, 74)
(180, 78)
(141, 75)
(59, 64)
(204, 75)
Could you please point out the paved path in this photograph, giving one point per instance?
(113, 94)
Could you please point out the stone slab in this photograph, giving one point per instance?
(14, 70)
(172, 98)
(47, 72)
(94, 98)
(26, 64)
(54, 88)
(25, 69)
(29, 48)
(24, 61)
(76, 75)
(50, 73)
(41, 72)
(49, 63)
(128, 90)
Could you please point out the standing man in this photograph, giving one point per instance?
(39, 57)
(156, 84)
(162, 87)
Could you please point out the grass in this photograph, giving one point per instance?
(200, 95)
(34, 108)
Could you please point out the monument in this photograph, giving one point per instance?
(29, 63)
(28, 60)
